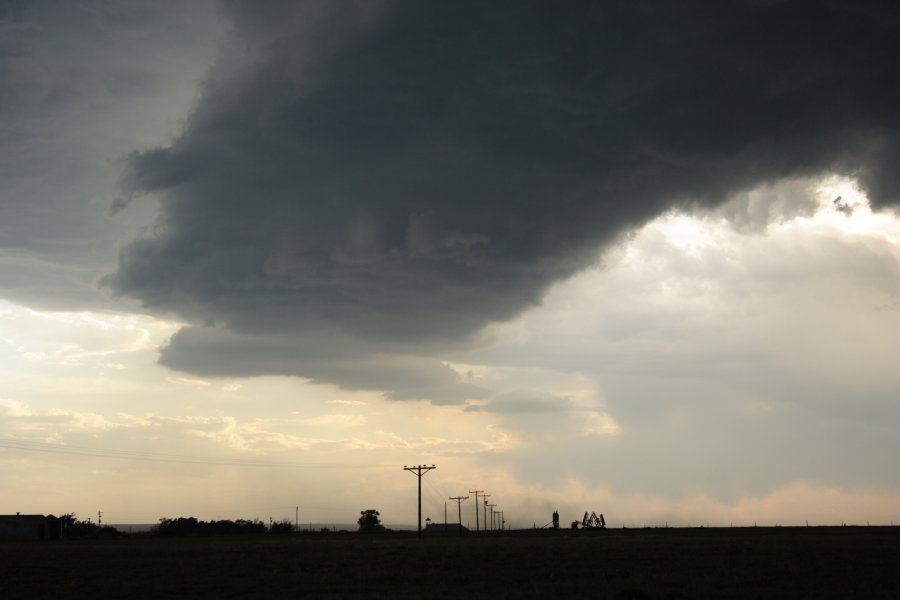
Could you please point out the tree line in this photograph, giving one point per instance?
(74, 528)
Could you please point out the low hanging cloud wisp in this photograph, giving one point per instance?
(390, 177)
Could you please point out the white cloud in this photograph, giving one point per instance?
(714, 350)
(190, 381)
(78, 338)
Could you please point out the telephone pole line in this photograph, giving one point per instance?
(419, 471)
(485, 497)
(476, 492)
(492, 515)
(459, 500)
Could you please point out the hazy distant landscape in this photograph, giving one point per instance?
(833, 562)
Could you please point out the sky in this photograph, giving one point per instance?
(633, 258)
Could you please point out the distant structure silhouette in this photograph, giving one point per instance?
(29, 527)
(590, 521)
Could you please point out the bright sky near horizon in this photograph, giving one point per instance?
(643, 262)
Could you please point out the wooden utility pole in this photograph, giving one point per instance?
(459, 500)
(476, 492)
(485, 497)
(492, 515)
(419, 471)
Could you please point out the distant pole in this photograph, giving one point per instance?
(485, 497)
(459, 500)
(296, 518)
(492, 516)
(419, 471)
(445, 516)
(476, 492)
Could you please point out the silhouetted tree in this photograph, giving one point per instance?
(74, 529)
(282, 526)
(66, 521)
(368, 520)
(191, 527)
(179, 527)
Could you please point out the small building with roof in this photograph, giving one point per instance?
(29, 527)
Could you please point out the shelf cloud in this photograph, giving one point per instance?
(382, 180)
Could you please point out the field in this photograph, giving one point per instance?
(861, 562)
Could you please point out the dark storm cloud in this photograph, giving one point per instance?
(408, 172)
(323, 357)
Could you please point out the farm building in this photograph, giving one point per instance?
(432, 527)
(28, 527)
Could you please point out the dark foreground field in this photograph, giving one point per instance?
(638, 563)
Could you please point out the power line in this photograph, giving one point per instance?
(433, 496)
(476, 492)
(419, 471)
(459, 500)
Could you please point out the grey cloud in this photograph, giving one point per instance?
(322, 357)
(752, 211)
(408, 172)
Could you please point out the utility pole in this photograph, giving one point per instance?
(485, 497)
(492, 516)
(419, 471)
(476, 492)
(459, 500)
(296, 518)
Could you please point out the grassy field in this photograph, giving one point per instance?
(861, 562)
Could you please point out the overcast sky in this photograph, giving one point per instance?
(633, 258)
